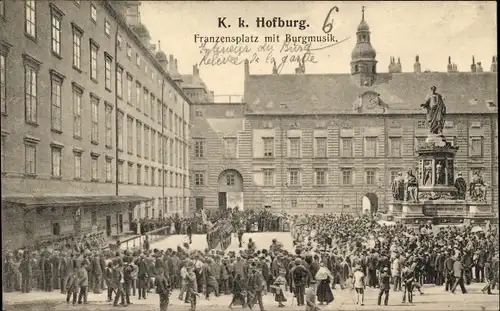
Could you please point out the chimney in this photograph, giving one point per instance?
(171, 63)
(399, 68)
(473, 65)
(391, 65)
(196, 70)
(479, 67)
(176, 68)
(416, 67)
(275, 69)
(450, 65)
(493, 67)
(132, 13)
(247, 68)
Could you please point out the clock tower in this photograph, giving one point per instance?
(363, 62)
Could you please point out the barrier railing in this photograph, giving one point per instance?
(137, 241)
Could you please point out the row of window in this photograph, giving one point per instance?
(320, 145)
(229, 113)
(294, 177)
(148, 103)
(141, 174)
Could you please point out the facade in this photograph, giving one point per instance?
(334, 142)
(95, 125)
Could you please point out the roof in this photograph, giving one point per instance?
(228, 127)
(55, 201)
(192, 81)
(403, 93)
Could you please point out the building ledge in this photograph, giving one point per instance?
(63, 201)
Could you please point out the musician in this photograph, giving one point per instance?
(162, 289)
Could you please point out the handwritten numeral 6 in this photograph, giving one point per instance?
(328, 24)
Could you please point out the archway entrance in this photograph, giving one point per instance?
(369, 204)
(230, 189)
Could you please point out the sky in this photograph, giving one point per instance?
(433, 30)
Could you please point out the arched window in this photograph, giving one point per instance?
(364, 38)
(374, 69)
(356, 68)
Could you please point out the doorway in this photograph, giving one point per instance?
(370, 204)
(230, 188)
(108, 226)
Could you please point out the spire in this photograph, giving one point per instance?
(159, 45)
(449, 60)
(416, 67)
(363, 13)
(493, 67)
(473, 67)
(275, 69)
(363, 56)
(417, 59)
(399, 61)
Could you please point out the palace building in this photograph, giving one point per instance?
(95, 125)
(316, 143)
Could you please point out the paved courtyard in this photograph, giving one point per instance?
(435, 298)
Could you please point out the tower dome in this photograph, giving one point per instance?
(363, 50)
(363, 56)
(363, 26)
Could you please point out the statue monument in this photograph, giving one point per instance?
(434, 193)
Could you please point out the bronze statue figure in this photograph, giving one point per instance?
(427, 173)
(477, 188)
(436, 112)
(461, 186)
(398, 187)
(411, 188)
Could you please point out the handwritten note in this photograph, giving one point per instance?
(277, 49)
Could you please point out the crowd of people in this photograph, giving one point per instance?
(330, 251)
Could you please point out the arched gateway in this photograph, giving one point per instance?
(370, 203)
(230, 188)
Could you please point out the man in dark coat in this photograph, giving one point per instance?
(142, 276)
(299, 276)
(461, 186)
(162, 289)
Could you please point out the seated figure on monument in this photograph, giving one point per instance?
(436, 112)
(477, 188)
(411, 188)
(461, 186)
(398, 187)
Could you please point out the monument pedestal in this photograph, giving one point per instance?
(437, 194)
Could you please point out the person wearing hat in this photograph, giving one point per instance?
(358, 284)
(256, 286)
(279, 286)
(299, 277)
(162, 288)
(385, 286)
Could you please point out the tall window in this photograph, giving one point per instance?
(139, 174)
(77, 113)
(130, 173)
(30, 10)
(171, 120)
(294, 151)
(138, 131)
(171, 153)
(320, 147)
(138, 95)
(158, 111)
(230, 179)
(153, 145)
(94, 128)
(56, 161)
(129, 89)
(320, 176)
(108, 125)
(107, 28)
(2, 150)
(476, 146)
(146, 102)
(119, 129)
(119, 81)
(129, 51)
(94, 50)
(3, 83)
(268, 146)
(109, 169)
(78, 165)
(77, 48)
(152, 106)
(230, 147)
(138, 59)
(199, 148)
(56, 33)
(55, 111)
(199, 178)
(346, 147)
(130, 135)
(30, 159)
(268, 177)
(370, 147)
(395, 146)
(371, 177)
(107, 72)
(31, 76)
(93, 13)
(146, 142)
(347, 176)
(293, 177)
